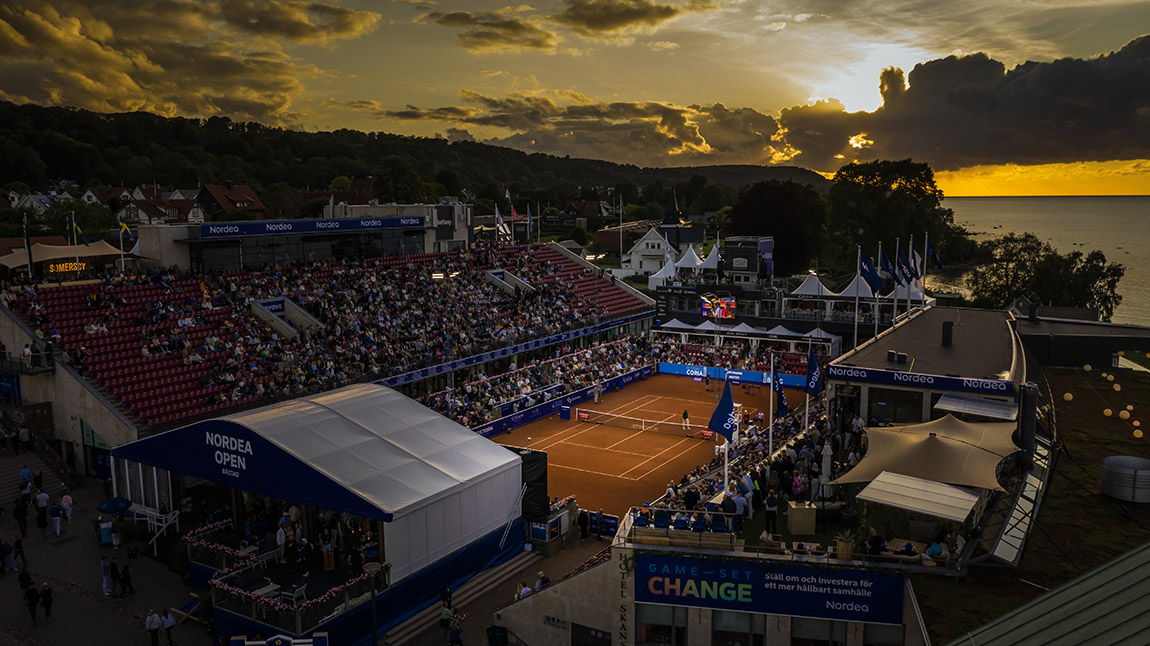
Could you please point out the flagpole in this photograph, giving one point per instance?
(910, 278)
(880, 270)
(620, 207)
(807, 412)
(858, 274)
(925, 245)
(76, 243)
(122, 246)
(771, 421)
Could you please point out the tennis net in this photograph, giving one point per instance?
(654, 426)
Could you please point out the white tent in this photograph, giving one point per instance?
(690, 260)
(900, 291)
(707, 326)
(713, 258)
(779, 330)
(676, 324)
(812, 286)
(365, 449)
(657, 279)
(746, 329)
(920, 496)
(858, 287)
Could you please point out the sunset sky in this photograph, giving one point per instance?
(1002, 97)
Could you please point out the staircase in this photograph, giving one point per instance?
(10, 481)
(477, 587)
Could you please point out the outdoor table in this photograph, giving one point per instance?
(250, 549)
(267, 590)
(800, 518)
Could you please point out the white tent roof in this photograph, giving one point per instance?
(779, 330)
(899, 292)
(812, 286)
(690, 259)
(712, 261)
(363, 448)
(707, 326)
(667, 271)
(746, 329)
(676, 324)
(921, 496)
(858, 287)
(820, 334)
(44, 252)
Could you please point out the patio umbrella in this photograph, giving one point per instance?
(115, 505)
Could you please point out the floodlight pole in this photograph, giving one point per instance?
(807, 412)
(771, 405)
(858, 273)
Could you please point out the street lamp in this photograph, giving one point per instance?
(372, 569)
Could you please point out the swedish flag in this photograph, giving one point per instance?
(78, 234)
(124, 230)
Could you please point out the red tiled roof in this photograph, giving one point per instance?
(230, 198)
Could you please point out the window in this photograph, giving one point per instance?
(895, 406)
(818, 632)
(741, 628)
(660, 625)
(882, 635)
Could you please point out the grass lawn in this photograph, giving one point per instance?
(1078, 528)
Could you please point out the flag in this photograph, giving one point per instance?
(777, 386)
(814, 373)
(916, 262)
(529, 216)
(514, 214)
(27, 244)
(905, 268)
(723, 420)
(930, 253)
(869, 274)
(125, 230)
(886, 267)
(79, 234)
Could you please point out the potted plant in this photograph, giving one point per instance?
(844, 545)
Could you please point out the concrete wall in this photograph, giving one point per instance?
(158, 242)
(73, 401)
(578, 599)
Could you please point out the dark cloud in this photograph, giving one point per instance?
(964, 111)
(568, 123)
(593, 18)
(167, 56)
(505, 29)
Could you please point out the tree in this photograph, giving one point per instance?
(712, 198)
(1022, 265)
(792, 213)
(341, 183)
(94, 220)
(882, 200)
(394, 180)
(579, 236)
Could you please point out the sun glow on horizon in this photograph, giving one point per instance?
(1124, 177)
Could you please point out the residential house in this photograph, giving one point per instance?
(160, 211)
(218, 198)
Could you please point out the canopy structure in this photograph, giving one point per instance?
(779, 330)
(920, 496)
(676, 324)
(812, 286)
(713, 258)
(746, 329)
(708, 326)
(44, 253)
(946, 450)
(364, 449)
(690, 259)
(900, 292)
(658, 278)
(858, 288)
(980, 406)
(834, 339)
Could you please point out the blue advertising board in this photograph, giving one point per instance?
(736, 376)
(546, 409)
(286, 227)
(273, 305)
(466, 362)
(770, 588)
(935, 382)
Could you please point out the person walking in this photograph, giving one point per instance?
(66, 505)
(20, 513)
(18, 551)
(114, 573)
(168, 622)
(32, 598)
(106, 575)
(42, 520)
(126, 586)
(46, 601)
(152, 624)
(56, 513)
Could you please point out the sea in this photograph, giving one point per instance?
(1119, 226)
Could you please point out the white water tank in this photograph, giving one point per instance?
(1126, 478)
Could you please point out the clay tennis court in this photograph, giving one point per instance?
(614, 468)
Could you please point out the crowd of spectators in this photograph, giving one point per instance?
(488, 398)
(734, 354)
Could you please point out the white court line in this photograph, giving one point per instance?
(636, 433)
(665, 462)
(561, 438)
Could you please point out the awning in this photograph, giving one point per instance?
(675, 324)
(690, 259)
(44, 253)
(920, 496)
(812, 286)
(364, 449)
(980, 406)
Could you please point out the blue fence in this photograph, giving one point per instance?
(736, 376)
(546, 409)
(467, 362)
(509, 407)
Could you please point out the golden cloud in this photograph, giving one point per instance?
(493, 31)
(596, 18)
(168, 56)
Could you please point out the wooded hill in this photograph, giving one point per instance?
(129, 149)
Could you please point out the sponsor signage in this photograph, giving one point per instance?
(546, 409)
(584, 415)
(444, 222)
(770, 588)
(272, 305)
(467, 362)
(736, 376)
(767, 256)
(286, 227)
(934, 382)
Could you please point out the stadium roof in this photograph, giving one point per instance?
(983, 345)
(364, 449)
(1107, 605)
